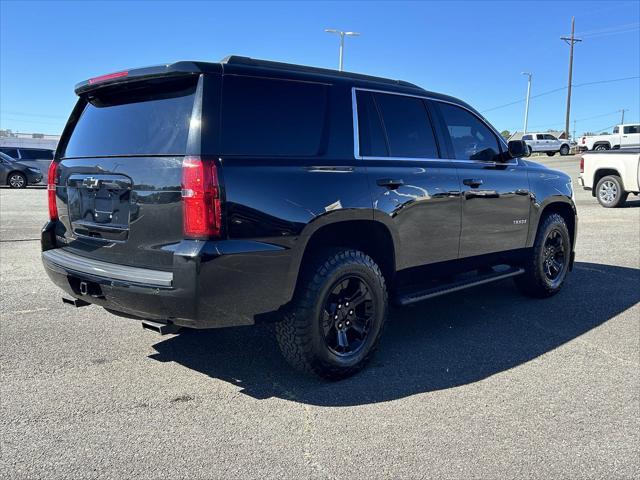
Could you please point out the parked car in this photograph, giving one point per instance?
(623, 136)
(547, 143)
(611, 175)
(39, 158)
(16, 174)
(208, 195)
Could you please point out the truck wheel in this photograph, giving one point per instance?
(337, 315)
(564, 150)
(548, 264)
(529, 149)
(610, 192)
(601, 147)
(551, 154)
(17, 180)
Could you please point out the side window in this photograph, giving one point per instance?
(407, 125)
(540, 136)
(32, 154)
(632, 129)
(471, 138)
(372, 140)
(615, 130)
(12, 152)
(527, 137)
(263, 117)
(549, 137)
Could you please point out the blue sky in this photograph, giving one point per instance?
(472, 50)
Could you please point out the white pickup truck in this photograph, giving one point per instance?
(624, 136)
(547, 143)
(611, 176)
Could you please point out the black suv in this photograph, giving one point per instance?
(217, 194)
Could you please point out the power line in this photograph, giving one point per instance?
(548, 92)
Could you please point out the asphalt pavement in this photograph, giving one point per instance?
(483, 383)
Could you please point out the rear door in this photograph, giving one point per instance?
(414, 190)
(495, 193)
(119, 189)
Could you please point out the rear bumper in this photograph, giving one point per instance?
(212, 283)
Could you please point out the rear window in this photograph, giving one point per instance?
(150, 118)
(270, 117)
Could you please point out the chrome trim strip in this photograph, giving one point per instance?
(356, 136)
(356, 132)
(110, 271)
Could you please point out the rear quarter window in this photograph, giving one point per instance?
(273, 117)
(138, 119)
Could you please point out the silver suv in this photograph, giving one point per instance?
(547, 143)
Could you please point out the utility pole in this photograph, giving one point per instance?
(574, 131)
(622, 111)
(570, 41)
(342, 35)
(526, 108)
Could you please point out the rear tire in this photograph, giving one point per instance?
(551, 154)
(529, 149)
(17, 180)
(601, 147)
(322, 333)
(548, 264)
(610, 192)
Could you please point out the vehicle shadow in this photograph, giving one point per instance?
(443, 343)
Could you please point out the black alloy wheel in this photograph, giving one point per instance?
(346, 317)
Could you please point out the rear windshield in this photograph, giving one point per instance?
(150, 118)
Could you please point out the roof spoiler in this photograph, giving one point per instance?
(124, 76)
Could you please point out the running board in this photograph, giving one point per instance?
(419, 294)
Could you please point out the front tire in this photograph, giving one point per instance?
(17, 180)
(610, 192)
(548, 264)
(337, 315)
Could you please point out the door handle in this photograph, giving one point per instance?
(390, 183)
(472, 182)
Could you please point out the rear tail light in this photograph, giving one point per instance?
(202, 215)
(584, 140)
(581, 164)
(51, 190)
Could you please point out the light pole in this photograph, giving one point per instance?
(342, 35)
(526, 108)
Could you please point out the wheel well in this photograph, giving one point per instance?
(368, 236)
(603, 172)
(566, 212)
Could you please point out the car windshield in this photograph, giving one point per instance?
(6, 157)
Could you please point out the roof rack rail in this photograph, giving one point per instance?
(240, 60)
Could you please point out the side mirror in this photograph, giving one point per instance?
(518, 148)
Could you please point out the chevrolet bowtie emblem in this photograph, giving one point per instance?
(91, 182)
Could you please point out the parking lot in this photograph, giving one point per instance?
(483, 383)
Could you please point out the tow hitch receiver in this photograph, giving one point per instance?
(161, 328)
(76, 302)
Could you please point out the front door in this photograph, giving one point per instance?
(495, 193)
(414, 191)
